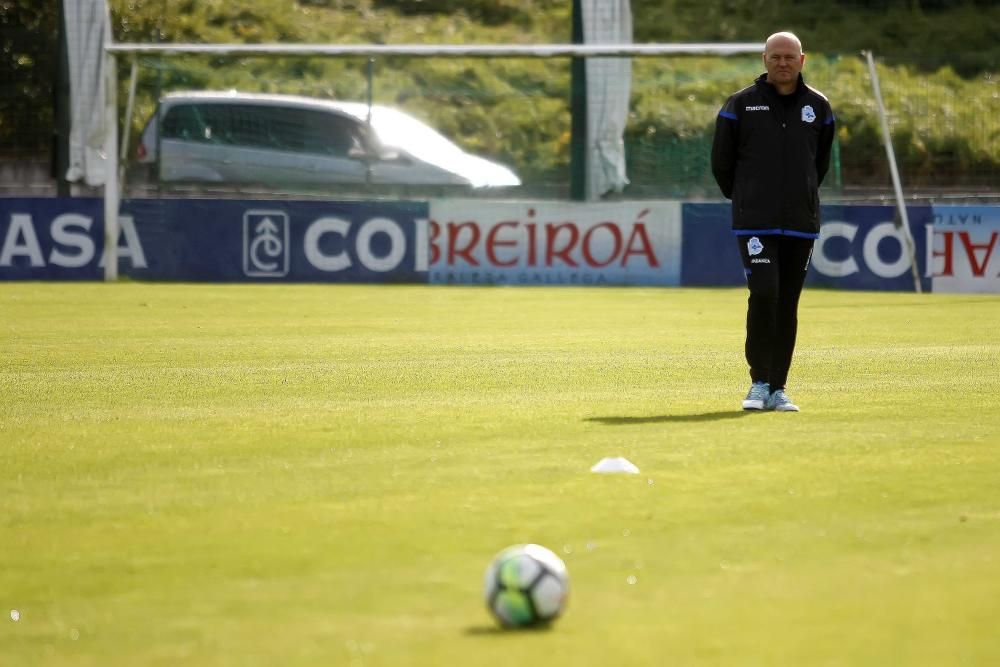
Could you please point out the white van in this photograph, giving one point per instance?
(250, 138)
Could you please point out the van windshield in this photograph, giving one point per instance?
(398, 130)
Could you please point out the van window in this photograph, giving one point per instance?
(260, 126)
(183, 122)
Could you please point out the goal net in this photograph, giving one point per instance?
(509, 112)
(410, 121)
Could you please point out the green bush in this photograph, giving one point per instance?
(516, 110)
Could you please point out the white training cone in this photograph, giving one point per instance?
(617, 464)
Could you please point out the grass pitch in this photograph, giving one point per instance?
(319, 475)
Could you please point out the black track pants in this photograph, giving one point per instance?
(776, 268)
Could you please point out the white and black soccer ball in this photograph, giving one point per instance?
(526, 585)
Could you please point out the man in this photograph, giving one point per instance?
(770, 153)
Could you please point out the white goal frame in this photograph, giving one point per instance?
(112, 194)
(133, 50)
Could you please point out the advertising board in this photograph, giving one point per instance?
(554, 243)
(859, 247)
(217, 240)
(665, 243)
(963, 249)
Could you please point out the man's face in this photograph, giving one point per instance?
(783, 61)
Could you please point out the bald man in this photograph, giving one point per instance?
(770, 153)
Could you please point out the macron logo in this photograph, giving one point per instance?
(762, 107)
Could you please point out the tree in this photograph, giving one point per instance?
(29, 49)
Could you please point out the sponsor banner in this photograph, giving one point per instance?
(859, 247)
(60, 239)
(963, 249)
(709, 254)
(554, 243)
(480, 242)
(281, 240)
(218, 240)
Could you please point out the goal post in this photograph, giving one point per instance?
(132, 53)
(112, 194)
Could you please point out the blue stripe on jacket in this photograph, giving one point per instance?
(775, 232)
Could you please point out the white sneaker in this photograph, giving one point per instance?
(757, 396)
(780, 402)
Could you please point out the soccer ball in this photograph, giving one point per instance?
(526, 585)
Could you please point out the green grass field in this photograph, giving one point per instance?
(318, 475)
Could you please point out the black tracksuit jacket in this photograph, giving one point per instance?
(770, 157)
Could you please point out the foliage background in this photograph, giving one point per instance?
(939, 60)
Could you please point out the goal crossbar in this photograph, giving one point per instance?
(429, 50)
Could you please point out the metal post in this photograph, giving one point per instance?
(60, 148)
(111, 195)
(127, 124)
(578, 114)
(370, 75)
(370, 80)
(159, 128)
(904, 220)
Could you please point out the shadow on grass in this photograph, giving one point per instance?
(667, 419)
(497, 631)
